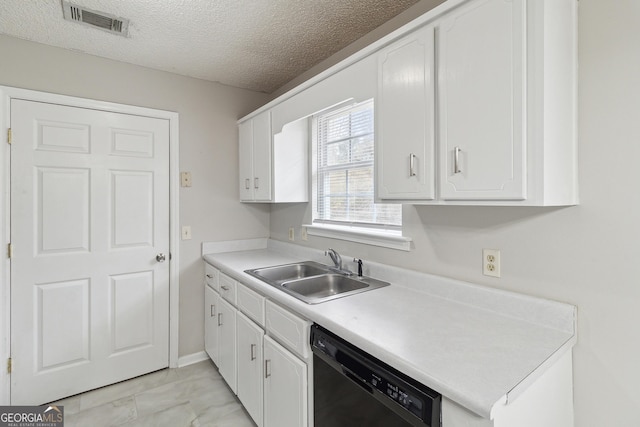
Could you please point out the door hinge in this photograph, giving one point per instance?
(10, 250)
(9, 365)
(9, 136)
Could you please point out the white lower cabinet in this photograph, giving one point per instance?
(211, 305)
(250, 366)
(269, 377)
(285, 387)
(227, 362)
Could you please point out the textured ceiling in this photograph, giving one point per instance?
(252, 44)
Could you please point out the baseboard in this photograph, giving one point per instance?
(190, 359)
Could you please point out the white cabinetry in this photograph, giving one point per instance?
(285, 387)
(211, 306)
(503, 104)
(227, 343)
(255, 158)
(405, 118)
(269, 375)
(250, 363)
(273, 166)
(482, 94)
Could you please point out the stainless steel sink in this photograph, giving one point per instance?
(278, 274)
(313, 282)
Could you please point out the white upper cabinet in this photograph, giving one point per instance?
(255, 158)
(273, 167)
(405, 118)
(504, 111)
(481, 101)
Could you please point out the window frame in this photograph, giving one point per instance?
(377, 234)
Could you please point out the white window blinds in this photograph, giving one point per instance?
(345, 176)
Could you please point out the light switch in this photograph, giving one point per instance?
(186, 232)
(185, 179)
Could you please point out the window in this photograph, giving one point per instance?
(344, 172)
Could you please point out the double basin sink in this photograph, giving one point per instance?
(313, 282)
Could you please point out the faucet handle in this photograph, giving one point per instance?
(359, 261)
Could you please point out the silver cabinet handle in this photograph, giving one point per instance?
(161, 257)
(213, 310)
(224, 288)
(219, 319)
(456, 160)
(209, 276)
(253, 352)
(256, 183)
(246, 183)
(267, 372)
(412, 161)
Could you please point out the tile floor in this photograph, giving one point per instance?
(193, 396)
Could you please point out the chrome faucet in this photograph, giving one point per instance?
(337, 261)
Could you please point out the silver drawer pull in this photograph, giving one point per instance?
(247, 183)
(253, 352)
(213, 310)
(267, 371)
(456, 160)
(224, 288)
(219, 319)
(256, 183)
(209, 276)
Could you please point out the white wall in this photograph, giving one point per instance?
(208, 146)
(588, 255)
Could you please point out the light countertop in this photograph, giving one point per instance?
(479, 347)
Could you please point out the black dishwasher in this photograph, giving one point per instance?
(353, 388)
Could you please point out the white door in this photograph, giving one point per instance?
(227, 343)
(89, 215)
(211, 330)
(405, 125)
(262, 156)
(481, 94)
(250, 366)
(285, 387)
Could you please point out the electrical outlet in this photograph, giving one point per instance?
(303, 233)
(185, 179)
(292, 234)
(491, 262)
(186, 232)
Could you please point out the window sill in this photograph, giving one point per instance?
(372, 237)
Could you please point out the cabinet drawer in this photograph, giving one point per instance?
(211, 276)
(250, 303)
(288, 329)
(227, 288)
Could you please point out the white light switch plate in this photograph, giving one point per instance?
(186, 232)
(185, 179)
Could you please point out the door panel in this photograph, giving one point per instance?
(63, 315)
(482, 98)
(131, 205)
(89, 213)
(62, 210)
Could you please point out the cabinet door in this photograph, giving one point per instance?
(262, 156)
(405, 119)
(211, 307)
(227, 343)
(481, 57)
(285, 387)
(245, 158)
(250, 363)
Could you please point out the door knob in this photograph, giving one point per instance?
(161, 257)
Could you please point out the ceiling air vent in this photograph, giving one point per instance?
(106, 21)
